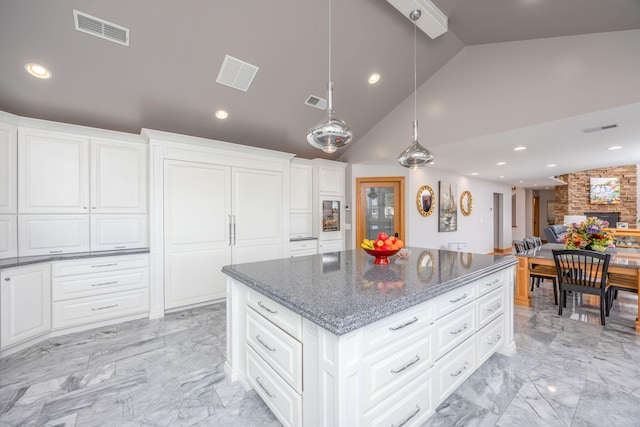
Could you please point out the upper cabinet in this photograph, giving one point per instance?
(8, 162)
(118, 177)
(55, 175)
(330, 176)
(53, 172)
(300, 198)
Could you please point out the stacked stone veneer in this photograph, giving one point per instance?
(573, 198)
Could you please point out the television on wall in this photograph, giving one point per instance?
(611, 217)
(604, 191)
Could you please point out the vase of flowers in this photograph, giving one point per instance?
(589, 235)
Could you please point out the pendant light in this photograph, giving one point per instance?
(332, 134)
(415, 156)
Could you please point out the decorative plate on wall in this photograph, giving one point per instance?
(425, 200)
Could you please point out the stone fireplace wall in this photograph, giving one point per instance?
(573, 198)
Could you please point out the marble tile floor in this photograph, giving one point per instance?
(568, 371)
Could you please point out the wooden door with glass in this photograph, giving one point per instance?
(379, 207)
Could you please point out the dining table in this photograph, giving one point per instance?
(624, 262)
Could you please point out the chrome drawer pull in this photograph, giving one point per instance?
(267, 308)
(104, 283)
(464, 368)
(459, 330)
(395, 328)
(494, 341)
(104, 265)
(265, 345)
(413, 362)
(492, 283)
(55, 252)
(104, 308)
(119, 247)
(406, 420)
(459, 299)
(263, 388)
(495, 307)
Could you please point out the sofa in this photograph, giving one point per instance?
(555, 233)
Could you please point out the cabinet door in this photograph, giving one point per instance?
(197, 238)
(8, 236)
(113, 232)
(300, 189)
(25, 300)
(257, 211)
(53, 172)
(52, 234)
(118, 177)
(8, 173)
(331, 180)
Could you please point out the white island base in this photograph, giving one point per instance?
(392, 372)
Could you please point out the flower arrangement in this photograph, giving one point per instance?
(589, 234)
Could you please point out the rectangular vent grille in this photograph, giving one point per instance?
(317, 102)
(236, 73)
(599, 128)
(101, 28)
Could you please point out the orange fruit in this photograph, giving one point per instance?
(400, 243)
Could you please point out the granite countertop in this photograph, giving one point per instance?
(18, 262)
(344, 291)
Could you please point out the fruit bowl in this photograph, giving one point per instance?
(381, 257)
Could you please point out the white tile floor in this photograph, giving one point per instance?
(568, 371)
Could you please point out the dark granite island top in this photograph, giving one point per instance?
(344, 291)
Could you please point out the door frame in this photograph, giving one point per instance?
(361, 202)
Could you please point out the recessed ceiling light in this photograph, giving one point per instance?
(37, 70)
(535, 185)
(551, 165)
(546, 188)
(374, 78)
(615, 147)
(521, 181)
(501, 176)
(501, 163)
(222, 114)
(519, 148)
(474, 173)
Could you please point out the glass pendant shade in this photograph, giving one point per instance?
(415, 156)
(332, 134)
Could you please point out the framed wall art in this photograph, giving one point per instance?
(448, 207)
(604, 191)
(425, 200)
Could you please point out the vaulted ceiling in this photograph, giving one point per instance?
(165, 78)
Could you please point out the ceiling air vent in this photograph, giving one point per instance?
(317, 102)
(236, 74)
(599, 128)
(101, 28)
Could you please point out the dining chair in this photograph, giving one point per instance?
(539, 273)
(520, 246)
(585, 272)
(620, 282)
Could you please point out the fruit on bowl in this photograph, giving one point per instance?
(385, 246)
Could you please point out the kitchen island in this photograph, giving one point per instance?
(335, 340)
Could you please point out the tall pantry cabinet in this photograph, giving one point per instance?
(212, 204)
(8, 189)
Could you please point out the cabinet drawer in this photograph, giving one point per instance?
(66, 287)
(281, 316)
(98, 264)
(283, 401)
(303, 245)
(410, 406)
(490, 306)
(92, 309)
(113, 232)
(379, 334)
(453, 300)
(387, 371)
(455, 328)
(277, 348)
(456, 367)
(52, 234)
(490, 283)
(490, 339)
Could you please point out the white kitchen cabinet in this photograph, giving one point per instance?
(114, 232)
(216, 215)
(326, 246)
(25, 299)
(8, 172)
(8, 236)
(118, 177)
(331, 177)
(301, 198)
(52, 234)
(53, 172)
(303, 247)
